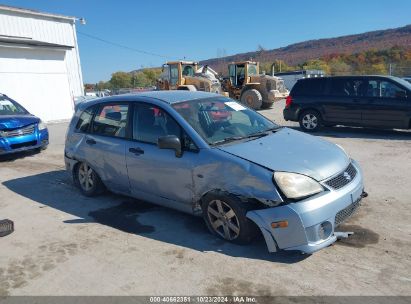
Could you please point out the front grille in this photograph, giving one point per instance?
(343, 178)
(344, 214)
(25, 144)
(19, 132)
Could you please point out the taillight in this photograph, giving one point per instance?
(288, 101)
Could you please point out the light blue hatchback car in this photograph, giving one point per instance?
(208, 155)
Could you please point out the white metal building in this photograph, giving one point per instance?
(39, 61)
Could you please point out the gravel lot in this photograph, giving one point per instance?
(67, 244)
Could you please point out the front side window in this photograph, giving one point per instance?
(111, 120)
(10, 107)
(218, 120)
(151, 122)
(391, 90)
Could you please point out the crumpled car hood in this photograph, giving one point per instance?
(292, 151)
(17, 121)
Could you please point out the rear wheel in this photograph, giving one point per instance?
(310, 121)
(87, 180)
(252, 98)
(225, 216)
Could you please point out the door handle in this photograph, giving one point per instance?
(90, 142)
(136, 151)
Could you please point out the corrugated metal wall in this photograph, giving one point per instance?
(47, 29)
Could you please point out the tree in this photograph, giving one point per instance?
(316, 64)
(120, 80)
(339, 67)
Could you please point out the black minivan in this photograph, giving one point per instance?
(369, 101)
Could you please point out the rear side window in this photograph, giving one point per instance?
(84, 121)
(348, 87)
(309, 87)
(111, 120)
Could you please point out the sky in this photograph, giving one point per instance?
(198, 30)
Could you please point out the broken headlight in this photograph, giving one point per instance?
(295, 185)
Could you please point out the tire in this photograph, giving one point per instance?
(87, 180)
(310, 121)
(252, 98)
(225, 217)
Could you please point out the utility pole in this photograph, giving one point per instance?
(390, 69)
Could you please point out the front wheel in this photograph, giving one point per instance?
(226, 217)
(310, 121)
(252, 98)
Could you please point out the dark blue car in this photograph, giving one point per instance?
(20, 130)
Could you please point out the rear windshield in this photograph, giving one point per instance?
(309, 87)
(10, 107)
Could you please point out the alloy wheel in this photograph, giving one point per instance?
(310, 121)
(86, 177)
(223, 220)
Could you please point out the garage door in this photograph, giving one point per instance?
(37, 78)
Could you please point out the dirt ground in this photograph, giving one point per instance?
(67, 244)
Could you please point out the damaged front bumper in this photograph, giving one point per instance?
(311, 222)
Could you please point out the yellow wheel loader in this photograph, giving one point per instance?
(186, 75)
(246, 84)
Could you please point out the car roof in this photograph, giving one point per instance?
(176, 95)
(351, 76)
(169, 97)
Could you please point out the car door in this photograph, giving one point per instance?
(155, 174)
(386, 104)
(342, 105)
(105, 145)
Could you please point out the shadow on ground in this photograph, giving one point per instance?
(54, 189)
(359, 132)
(19, 155)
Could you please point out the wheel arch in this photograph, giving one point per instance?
(304, 110)
(75, 168)
(250, 86)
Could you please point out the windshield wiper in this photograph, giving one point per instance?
(227, 139)
(263, 133)
(253, 135)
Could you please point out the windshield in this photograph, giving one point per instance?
(220, 119)
(188, 70)
(403, 82)
(10, 107)
(252, 70)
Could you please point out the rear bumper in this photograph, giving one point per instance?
(39, 139)
(291, 113)
(311, 222)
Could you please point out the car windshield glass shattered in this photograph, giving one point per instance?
(221, 120)
(9, 107)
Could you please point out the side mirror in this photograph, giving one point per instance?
(170, 142)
